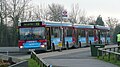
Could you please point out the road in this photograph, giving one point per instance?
(80, 57)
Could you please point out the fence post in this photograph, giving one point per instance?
(105, 52)
(118, 49)
(32, 54)
(114, 49)
(109, 52)
(115, 57)
(110, 49)
(103, 55)
(109, 56)
(98, 53)
(10, 61)
(7, 53)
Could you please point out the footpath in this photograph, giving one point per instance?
(80, 57)
(9, 49)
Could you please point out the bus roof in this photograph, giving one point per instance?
(83, 26)
(67, 24)
(56, 24)
(101, 27)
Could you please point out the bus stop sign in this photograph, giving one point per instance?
(64, 13)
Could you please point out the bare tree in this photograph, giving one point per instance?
(90, 20)
(82, 18)
(3, 11)
(16, 8)
(27, 14)
(112, 22)
(77, 15)
(40, 12)
(55, 12)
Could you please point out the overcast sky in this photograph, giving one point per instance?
(105, 8)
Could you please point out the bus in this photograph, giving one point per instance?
(60, 32)
(47, 35)
(32, 36)
(87, 34)
(40, 35)
(83, 34)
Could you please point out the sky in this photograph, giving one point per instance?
(105, 8)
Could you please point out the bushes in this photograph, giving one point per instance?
(8, 36)
(32, 63)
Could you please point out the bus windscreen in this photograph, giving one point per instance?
(34, 33)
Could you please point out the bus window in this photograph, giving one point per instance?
(68, 32)
(32, 33)
(56, 33)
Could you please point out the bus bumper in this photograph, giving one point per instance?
(31, 49)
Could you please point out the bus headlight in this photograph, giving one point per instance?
(43, 46)
(21, 46)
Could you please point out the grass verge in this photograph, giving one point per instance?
(32, 63)
(112, 60)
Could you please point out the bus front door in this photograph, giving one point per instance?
(48, 37)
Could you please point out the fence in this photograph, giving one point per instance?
(112, 53)
(18, 62)
(40, 61)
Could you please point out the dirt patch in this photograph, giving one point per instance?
(4, 63)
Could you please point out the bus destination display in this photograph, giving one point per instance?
(31, 23)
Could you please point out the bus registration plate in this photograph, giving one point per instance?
(31, 49)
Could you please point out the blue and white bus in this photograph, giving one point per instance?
(47, 35)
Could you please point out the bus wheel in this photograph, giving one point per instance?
(53, 47)
(80, 44)
(67, 45)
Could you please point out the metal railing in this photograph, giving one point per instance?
(112, 53)
(40, 61)
(23, 63)
(14, 62)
